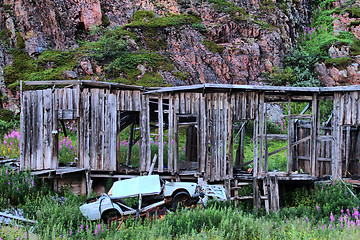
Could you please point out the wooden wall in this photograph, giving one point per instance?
(97, 112)
(215, 113)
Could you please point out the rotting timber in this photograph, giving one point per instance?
(208, 113)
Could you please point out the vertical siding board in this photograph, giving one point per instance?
(47, 129)
(28, 130)
(34, 131)
(170, 133)
(22, 131)
(54, 160)
(112, 132)
(95, 116)
(230, 159)
(142, 163)
(244, 107)
(354, 98)
(202, 134)
(40, 131)
(148, 149)
(86, 143)
(161, 134)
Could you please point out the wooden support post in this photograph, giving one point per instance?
(236, 191)
(171, 135)
(88, 182)
(274, 193)
(266, 164)
(131, 136)
(256, 194)
(261, 132)
(227, 188)
(255, 149)
(289, 139)
(313, 153)
(335, 143)
(161, 134)
(266, 193)
(347, 149)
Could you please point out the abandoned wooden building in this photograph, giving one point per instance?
(196, 132)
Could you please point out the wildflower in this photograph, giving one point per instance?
(307, 219)
(332, 217)
(9, 183)
(70, 232)
(26, 180)
(17, 189)
(6, 172)
(95, 232)
(317, 208)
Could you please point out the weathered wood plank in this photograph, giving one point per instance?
(261, 130)
(102, 124)
(142, 157)
(202, 134)
(255, 147)
(170, 134)
(94, 116)
(161, 134)
(354, 99)
(148, 156)
(314, 119)
(40, 130)
(112, 132)
(54, 160)
(105, 163)
(34, 130)
(289, 140)
(48, 121)
(86, 143)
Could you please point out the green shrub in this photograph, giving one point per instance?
(143, 15)
(16, 186)
(161, 22)
(340, 63)
(212, 46)
(280, 77)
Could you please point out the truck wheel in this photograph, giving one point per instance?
(179, 201)
(110, 216)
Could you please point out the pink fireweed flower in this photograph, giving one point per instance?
(96, 232)
(332, 217)
(317, 208)
(307, 219)
(26, 180)
(70, 232)
(9, 183)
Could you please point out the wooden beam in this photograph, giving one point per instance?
(313, 134)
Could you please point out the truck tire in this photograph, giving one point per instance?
(180, 200)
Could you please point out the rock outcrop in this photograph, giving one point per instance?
(233, 41)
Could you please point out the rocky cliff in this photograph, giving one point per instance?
(161, 42)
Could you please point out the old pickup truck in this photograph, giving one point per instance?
(149, 192)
